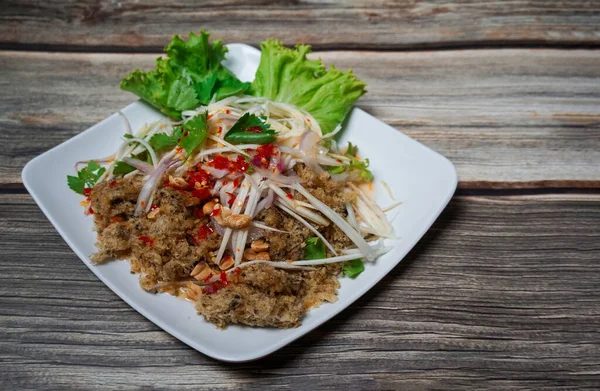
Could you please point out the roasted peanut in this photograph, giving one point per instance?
(193, 291)
(236, 221)
(226, 263)
(152, 214)
(263, 256)
(222, 215)
(201, 271)
(252, 255)
(194, 287)
(259, 245)
(208, 208)
(179, 182)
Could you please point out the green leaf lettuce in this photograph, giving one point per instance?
(286, 75)
(189, 76)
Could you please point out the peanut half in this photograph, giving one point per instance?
(226, 263)
(201, 271)
(259, 245)
(152, 214)
(252, 255)
(237, 221)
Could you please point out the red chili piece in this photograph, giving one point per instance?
(231, 198)
(147, 240)
(204, 231)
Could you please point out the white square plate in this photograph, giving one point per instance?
(421, 178)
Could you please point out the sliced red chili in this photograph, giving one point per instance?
(147, 240)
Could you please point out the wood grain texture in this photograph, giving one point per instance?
(501, 293)
(505, 118)
(326, 24)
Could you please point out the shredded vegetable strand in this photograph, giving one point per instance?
(241, 197)
(339, 221)
(283, 207)
(300, 209)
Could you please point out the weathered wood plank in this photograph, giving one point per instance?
(506, 118)
(327, 24)
(501, 293)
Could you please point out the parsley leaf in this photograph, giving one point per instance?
(86, 177)
(315, 249)
(194, 133)
(353, 268)
(250, 129)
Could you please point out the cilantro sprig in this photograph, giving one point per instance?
(315, 249)
(251, 129)
(194, 133)
(86, 177)
(189, 136)
(162, 141)
(353, 268)
(354, 164)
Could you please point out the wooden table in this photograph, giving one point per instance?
(504, 290)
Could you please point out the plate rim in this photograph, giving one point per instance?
(26, 176)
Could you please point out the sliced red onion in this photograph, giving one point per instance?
(308, 149)
(215, 190)
(217, 173)
(265, 203)
(102, 160)
(151, 185)
(328, 161)
(218, 228)
(254, 233)
(279, 178)
(223, 196)
(140, 165)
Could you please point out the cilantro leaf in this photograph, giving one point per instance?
(161, 141)
(361, 167)
(353, 268)
(250, 129)
(86, 177)
(122, 168)
(194, 133)
(315, 249)
(75, 184)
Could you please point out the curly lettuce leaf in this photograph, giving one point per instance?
(189, 76)
(286, 75)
